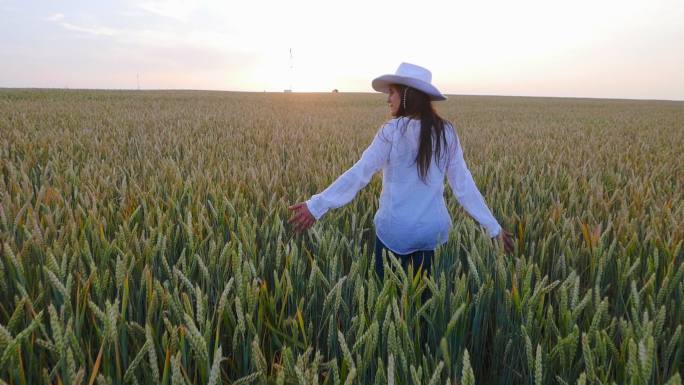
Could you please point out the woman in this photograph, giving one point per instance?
(416, 150)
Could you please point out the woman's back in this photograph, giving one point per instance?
(412, 214)
(404, 133)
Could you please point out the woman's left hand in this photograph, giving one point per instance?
(302, 218)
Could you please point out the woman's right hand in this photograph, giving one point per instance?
(505, 239)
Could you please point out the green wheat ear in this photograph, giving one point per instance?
(434, 380)
(390, 370)
(467, 375)
(152, 354)
(215, 368)
(177, 377)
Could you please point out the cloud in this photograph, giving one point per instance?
(96, 30)
(55, 17)
(174, 9)
(163, 37)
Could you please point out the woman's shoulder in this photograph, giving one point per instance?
(399, 123)
(389, 127)
(386, 130)
(450, 133)
(449, 126)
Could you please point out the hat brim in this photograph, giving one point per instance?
(382, 83)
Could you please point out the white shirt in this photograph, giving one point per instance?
(412, 214)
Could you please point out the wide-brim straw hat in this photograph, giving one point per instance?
(409, 75)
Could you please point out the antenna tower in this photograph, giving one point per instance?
(291, 70)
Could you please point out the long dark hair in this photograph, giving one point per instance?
(416, 104)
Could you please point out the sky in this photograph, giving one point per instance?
(630, 49)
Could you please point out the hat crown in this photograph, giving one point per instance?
(413, 71)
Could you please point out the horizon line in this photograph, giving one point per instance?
(284, 92)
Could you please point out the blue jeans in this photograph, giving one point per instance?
(416, 259)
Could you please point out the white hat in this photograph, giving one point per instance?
(409, 75)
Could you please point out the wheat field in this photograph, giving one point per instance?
(144, 240)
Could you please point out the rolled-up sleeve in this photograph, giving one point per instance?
(345, 188)
(463, 186)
